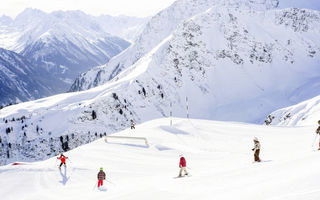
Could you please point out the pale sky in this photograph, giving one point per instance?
(140, 8)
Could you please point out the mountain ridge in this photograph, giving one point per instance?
(62, 43)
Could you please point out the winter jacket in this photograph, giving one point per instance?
(101, 175)
(318, 130)
(256, 146)
(183, 162)
(63, 159)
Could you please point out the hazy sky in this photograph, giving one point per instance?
(139, 8)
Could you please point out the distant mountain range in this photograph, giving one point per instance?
(66, 44)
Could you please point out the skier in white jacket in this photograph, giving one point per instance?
(256, 150)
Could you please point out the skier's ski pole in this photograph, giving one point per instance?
(95, 185)
(314, 139)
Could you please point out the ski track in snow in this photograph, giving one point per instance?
(218, 155)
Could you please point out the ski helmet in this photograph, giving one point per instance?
(181, 155)
(101, 168)
(319, 122)
(255, 139)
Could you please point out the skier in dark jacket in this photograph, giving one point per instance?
(183, 166)
(256, 150)
(63, 159)
(101, 177)
(318, 132)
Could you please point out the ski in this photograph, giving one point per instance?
(182, 176)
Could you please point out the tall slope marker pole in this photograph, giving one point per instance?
(170, 113)
(187, 105)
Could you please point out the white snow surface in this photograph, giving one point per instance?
(218, 155)
(232, 64)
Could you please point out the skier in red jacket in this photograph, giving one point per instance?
(183, 166)
(101, 176)
(63, 159)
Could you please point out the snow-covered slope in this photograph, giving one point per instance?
(231, 64)
(218, 155)
(306, 113)
(157, 29)
(21, 81)
(64, 43)
(232, 60)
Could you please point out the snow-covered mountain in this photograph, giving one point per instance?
(128, 28)
(236, 60)
(5, 21)
(231, 63)
(64, 43)
(157, 29)
(21, 81)
(306, 113)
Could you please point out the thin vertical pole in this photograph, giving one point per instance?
(187, 104)
(170, 114)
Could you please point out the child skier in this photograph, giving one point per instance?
(63, 159)
(101, 177)
(256, 150)
(183, 166)
(132, 125)
(318, 132)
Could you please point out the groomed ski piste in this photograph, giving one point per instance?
(218, 155)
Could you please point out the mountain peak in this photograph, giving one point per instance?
(69, 13)
(29, 15)
(28, 12)
(5, 20)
